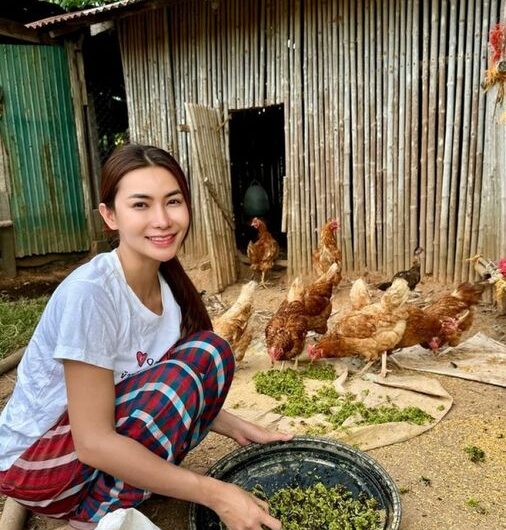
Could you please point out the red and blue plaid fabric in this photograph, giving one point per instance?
(168, 408)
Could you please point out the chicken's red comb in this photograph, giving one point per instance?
(502, 266)
(497, 41)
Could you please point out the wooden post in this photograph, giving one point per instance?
(7, 249)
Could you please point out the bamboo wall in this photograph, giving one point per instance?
(386, 125)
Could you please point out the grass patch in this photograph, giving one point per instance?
(17, 322)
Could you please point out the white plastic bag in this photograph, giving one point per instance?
(129, 519)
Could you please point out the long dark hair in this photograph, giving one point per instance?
(128, 158)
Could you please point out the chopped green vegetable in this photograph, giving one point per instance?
(476, 506)
(276, 383)
(319, 507)
(475, 453)
(328, 402)
(323, 372)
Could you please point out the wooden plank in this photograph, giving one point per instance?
(207, 145)
(15, 30)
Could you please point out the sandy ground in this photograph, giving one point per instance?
(435, 476)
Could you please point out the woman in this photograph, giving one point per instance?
(123, 375)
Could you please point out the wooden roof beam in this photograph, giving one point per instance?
(15, 30)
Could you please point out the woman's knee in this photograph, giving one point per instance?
(206, 348)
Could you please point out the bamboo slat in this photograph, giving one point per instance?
(433, 114)
(414, 235)
(380, 138)
(401, 140)
(347, 155)
(390, 147)
(456, 260)
(453, 84)
(320, 118)
(357, 90)
(308, 131)
(461, 137)
(338, 49)
(424, 238)
(404, 134)
(476, 165)
(370, 131)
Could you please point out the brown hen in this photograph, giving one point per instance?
(286, 330)
(233, 324)
(264, 251)
(328, 252)
(317, 304)
(370, 331)
(460, 305)
(426, 329)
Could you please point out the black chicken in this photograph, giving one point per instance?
(412, 276)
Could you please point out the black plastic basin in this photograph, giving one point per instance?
(302, 462)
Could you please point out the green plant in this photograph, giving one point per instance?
(73, 5)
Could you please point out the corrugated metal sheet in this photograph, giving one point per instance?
(81, 15)
(38, 129)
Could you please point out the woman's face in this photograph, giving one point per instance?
(150, 214)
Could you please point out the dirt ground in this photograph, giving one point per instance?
(435, 477)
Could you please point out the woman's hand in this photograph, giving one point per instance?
(245, 432)
(240, 510)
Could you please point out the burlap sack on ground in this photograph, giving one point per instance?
(479, 358)
(403, 391)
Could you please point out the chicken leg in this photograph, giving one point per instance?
(384, 370)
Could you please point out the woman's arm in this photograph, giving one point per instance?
(245, 432)
(91, 405)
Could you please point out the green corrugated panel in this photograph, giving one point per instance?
(38, 128)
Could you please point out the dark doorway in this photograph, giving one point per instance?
(257, 158)
(107, 113)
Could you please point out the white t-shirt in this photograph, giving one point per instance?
(93, 317)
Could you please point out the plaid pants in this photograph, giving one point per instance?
(168, 408)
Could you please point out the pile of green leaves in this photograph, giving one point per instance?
(318, 506)
(277, 383)
(17, 322)
(326, 401)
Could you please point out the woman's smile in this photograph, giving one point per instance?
(163, 241)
